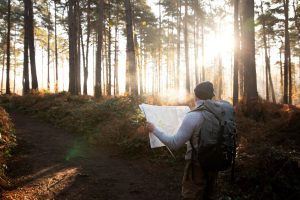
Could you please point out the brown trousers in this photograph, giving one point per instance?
(198, 184)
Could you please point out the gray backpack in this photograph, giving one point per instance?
(216, 151)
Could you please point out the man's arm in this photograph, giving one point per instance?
(184, 133)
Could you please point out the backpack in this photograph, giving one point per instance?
(218, 153)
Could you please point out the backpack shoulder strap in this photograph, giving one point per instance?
(199, 108)
(202, 107)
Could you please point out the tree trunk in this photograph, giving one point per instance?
(74, 48)
(30, 27)
(281, 69)
(145, 71)
(220, 76)
(186, 48)
(77, 76)
(8, 49)
(83, 57)
(2, 74)
(109, 51)
(25, 81)
(130, 50)
(116, 70)
(100, 19)
(15, 60)
(236, 53)
(140, 65)
(48, 48)
(159, 50)
(178, 43)
(286, 89)
(85, 70)
(248, 45)
(202, 46)
(56, 53)
(196, 34)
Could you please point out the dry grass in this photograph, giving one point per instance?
(7, 142)
(268, 160)
(268, 143)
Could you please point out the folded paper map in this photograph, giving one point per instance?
(166, 118)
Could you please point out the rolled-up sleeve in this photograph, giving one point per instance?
(184, 133)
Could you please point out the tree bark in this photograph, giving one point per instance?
(196, 34)
(130, 50)
(109, 51)
(2, 74)
(248, 45)
(281, 69)
(116, 74)
(83, 58)
(34, 81)
(8, 49)
(202, 49)
(25, 81)
(186, 48)
(236, 53)
(48, 47)
(74, 47)
(100, 18)
(55, 46)
(178, 43)
(15, 60)
(286, 69)
(85, 70)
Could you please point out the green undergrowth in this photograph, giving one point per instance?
(268, 154)
(267, 163)
(115, 120)
(7, 144)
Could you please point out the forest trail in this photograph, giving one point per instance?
(52, 164)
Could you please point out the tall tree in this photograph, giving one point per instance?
(25, 81)
(236, 53)
(269, 83)
(8, 48)
(109, 50)
(287, 82)
(186, 48)
(178, 42)
(100, 19)
(74, 47)
(85, 70)
(130, 50)
(49, 28)
(55, 46)
(30, 29)
(248, 48)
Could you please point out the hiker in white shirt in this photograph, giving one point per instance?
(197, 183)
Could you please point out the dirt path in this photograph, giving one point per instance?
(52, 164)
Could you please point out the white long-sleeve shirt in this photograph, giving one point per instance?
(190, 126)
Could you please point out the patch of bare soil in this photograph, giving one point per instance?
(52, 164)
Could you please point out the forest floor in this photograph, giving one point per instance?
(98, 149)
(50, 163)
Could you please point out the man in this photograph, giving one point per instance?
(197, 183)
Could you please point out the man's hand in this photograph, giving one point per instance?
(150, 127)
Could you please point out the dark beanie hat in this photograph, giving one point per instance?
(204, 90)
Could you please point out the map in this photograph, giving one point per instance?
(166, 118)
